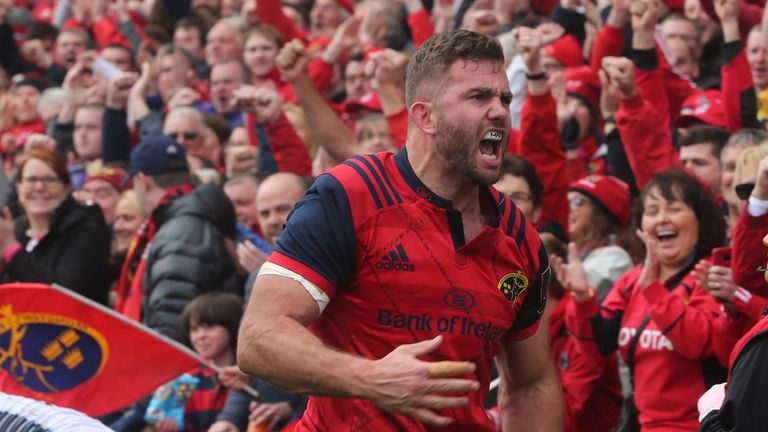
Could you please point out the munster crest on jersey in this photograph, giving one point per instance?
(512, 285)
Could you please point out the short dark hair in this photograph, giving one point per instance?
(239, 62)
(170, 179)
(267, 32)
(214, 308)
(40, 30)
(193, 22)
(124, 48)
(676, 185)
(521, 167)
(703, 134)
(433, 59)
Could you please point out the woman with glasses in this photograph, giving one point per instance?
(657, 315)
(599, 208)
(56, 240)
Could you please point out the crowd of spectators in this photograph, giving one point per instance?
(153, 149)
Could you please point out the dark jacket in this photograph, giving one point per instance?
(74, 253)
(189, 257)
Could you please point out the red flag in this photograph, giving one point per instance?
(59, 347)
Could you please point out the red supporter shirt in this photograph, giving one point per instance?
(391, 256)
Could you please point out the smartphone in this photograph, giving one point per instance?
(106, 69)
(721, 256)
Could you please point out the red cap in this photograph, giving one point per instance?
(607, 192)
(349, 5)
(112, 175)
(705, 107)
(582, 81)
(566, 50)
(368, 101)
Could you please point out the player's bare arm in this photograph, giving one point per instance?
(275, 345)
(529, 392)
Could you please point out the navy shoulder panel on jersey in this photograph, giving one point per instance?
(320, 232)
(536, 298)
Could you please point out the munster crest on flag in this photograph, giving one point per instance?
(57, 346)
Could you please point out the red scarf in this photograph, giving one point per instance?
(129, 286)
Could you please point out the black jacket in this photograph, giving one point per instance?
(74, 253)
(189, 257)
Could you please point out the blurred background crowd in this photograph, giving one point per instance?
(152, 150)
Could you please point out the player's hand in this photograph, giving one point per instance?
(571, 274)
(402, 384)
(650, 271)
(293, 60)
(269, 414)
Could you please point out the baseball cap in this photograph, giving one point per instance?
(369, 101)
(566, 50)
(705, 107)
(583, 82)
(112, 175)
(158, 154)
(607, 192)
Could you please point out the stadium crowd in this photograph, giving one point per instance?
(152, 151)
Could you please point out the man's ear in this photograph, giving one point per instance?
(423, 115)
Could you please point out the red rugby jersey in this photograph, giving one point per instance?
(392, 257)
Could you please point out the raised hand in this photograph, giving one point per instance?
(528, 43)
(620, 72)
(263, 101)
(386, 68)
(650, 273)
(293, 60)
(571, 274)
(549, 32)
(119, 89)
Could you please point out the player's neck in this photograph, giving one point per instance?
(431, 169)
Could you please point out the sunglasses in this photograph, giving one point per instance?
(744, 190)
(188, 136)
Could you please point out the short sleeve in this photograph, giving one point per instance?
(319, 239)
(534, 302)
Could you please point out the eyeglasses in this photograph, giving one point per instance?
(744, 190)
(576, 202)
(46, 181)
(188, 136)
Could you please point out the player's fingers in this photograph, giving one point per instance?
(452, 385)
(448, 369)
(423, 347)
(442, 402)
(430, 417)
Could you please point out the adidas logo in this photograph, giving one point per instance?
(396, 260)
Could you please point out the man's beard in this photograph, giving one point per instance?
(458, 146)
